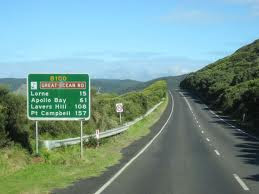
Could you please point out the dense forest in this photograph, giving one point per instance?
(231, 85)
(16, 128)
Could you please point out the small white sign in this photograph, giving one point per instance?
(97, 133)
(34, 85)
(119, 107)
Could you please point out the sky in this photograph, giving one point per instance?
(115, 39)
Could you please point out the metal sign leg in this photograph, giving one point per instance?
(81, 138)
(37, 138)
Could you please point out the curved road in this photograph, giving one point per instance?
(196, 153)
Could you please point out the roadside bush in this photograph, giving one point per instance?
(15, 126)
(3, 135)
(91, 142)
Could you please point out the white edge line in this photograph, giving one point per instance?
(135, 157)
(239, 180)
(212, 112)
(232, 125)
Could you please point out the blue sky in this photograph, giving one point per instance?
(129, 39)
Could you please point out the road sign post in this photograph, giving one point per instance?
(81, 140)
(37, 138)
(119, 109)
(58, 97)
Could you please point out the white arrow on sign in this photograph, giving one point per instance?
(119, 107)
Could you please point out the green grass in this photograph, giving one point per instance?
(61, 167)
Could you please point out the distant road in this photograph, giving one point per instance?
(196, 153)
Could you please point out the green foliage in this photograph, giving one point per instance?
(3, 117)
(15, 126)
(231, 84)
(12, 159)
(13, 121)
(91, 142)
(60, 167)
(3, 134)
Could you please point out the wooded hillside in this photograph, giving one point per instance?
(231, 84)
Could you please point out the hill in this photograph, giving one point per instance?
(231, 84)
(113, 85)
(173, 81)
(13, 83)
(102, 85)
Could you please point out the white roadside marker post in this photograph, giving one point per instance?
(97, 133)
(243, 119)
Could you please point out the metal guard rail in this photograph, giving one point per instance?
(50, 144)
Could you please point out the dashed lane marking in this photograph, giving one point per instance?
(239, 180)
(217, 152)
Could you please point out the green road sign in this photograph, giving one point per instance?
(58, 97)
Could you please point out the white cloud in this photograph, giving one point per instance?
(138, 68)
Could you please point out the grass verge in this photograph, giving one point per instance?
(61, 167)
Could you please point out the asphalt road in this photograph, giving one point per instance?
(196, 153)
(191, 151)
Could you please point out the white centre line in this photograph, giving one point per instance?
(217, 152)
(199, 126)
(202, 131)
(207, 139)
(239, 180)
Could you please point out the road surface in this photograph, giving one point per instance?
(191, 151)
(196, 153)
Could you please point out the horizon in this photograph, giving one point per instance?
(97, 78)
(130, 40)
